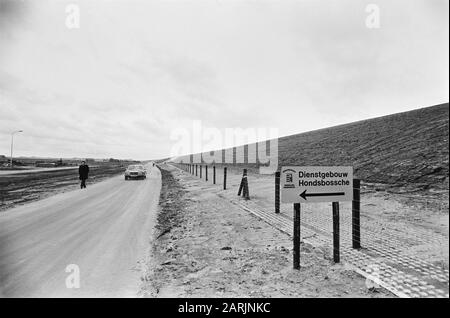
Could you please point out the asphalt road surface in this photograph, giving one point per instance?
(103, 230)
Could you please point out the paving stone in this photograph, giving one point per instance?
(385, 247)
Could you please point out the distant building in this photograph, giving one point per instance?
(45, 164)
(4, 162)
(101, 160)
(49, 164)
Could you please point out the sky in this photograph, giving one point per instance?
(134, 73)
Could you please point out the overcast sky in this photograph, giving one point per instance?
(134, 71)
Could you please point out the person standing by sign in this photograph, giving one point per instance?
(83, 171)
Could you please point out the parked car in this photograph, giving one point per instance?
(135, 172)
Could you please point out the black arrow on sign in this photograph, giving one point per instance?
(329, 194)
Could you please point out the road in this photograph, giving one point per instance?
(104, 230)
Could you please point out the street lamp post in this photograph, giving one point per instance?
(12, 143)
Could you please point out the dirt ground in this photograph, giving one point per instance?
(207, 247)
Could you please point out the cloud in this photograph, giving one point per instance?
(135, 72)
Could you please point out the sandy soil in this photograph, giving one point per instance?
(207, 247)
(382, 206)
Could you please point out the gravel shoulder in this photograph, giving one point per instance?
(205, 246)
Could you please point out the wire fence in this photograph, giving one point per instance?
(391, 255)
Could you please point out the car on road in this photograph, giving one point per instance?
(135, 172)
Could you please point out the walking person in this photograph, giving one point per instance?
(83, 171)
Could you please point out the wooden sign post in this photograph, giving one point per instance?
(316, 184)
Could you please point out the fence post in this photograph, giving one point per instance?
(277, 191)
(296, 236)
(356, 221)
(246, 190)
(241, 185)
(225, 178)
(246, 193)
(201, 171)
(336, 254)
(196, 170)
(206, 173)
(214, 174)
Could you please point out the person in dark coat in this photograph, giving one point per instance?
(83, 171)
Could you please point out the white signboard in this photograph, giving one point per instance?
(316, 184)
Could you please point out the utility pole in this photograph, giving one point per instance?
(12, 144)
